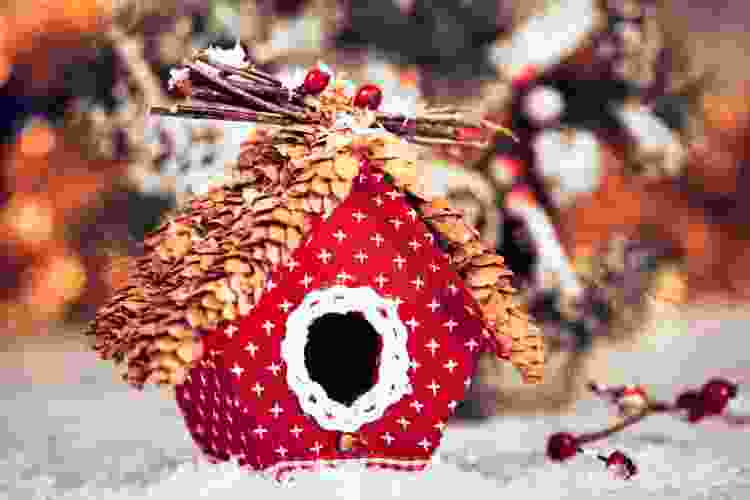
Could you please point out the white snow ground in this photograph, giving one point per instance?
(92, 438)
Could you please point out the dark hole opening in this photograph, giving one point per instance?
(342, 354)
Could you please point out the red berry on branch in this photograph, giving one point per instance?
(715, 395)
(316, 81)
(368, 96)
(622, 465)
(524, 76)
(469, 134)
(561, 446)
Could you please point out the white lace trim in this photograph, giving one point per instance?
(393, 378)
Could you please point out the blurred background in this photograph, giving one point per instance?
(621, 208)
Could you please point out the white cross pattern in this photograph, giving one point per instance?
(450, 365)
(424, 444)
(396, 223)
(379, 201)
(324, 256)
(276, 410)
(231, 330)
(359, 216)
(440, 426)
(434, 305)
(397, 301)
(344, 276)
(285, 306)
(268, 327)
(450, 325)
(471, 344)
(292, 264)
(414, 244)
(393, 194)
(339, 235)
(418, 282)
(296, 430)
(413, 323)
(417, 406)
(403, 422)
(432, 346)
(281, 451)
(412, 214)
(381, 280)
(378, 239)
(274, 368)
(258, 389)
(452, 405)
(361, 257)
(237, 370)
(306, 281)
(260, 431)
(414, 364)
(453, 288)
(251, 348)
(399, 261)
(316, 449)
(271, 285)
(388, 438)
(434, 267)
(434, 386)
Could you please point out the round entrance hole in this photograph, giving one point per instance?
(342, 354)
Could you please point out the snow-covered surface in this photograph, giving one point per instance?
(92, 438)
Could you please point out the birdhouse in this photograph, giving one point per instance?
(318, 308)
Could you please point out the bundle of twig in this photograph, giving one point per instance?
(235, 91)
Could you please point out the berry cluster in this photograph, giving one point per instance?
(634, 404)
(368, 96)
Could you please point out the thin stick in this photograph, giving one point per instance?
(251, 99)
(435, 140)
(222, 112)
(603, 434)
(251, 73)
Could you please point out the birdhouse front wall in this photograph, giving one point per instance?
(253, 397)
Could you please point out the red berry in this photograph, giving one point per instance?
(469, 134)
(622, 465)
(368, 96)
(561, 446)
(524, 76)
(688, 400)
(715, 395)
(316, 81)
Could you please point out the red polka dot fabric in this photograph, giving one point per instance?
(239, 403)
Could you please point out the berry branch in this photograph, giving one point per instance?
(634, 405)
(234, 90)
